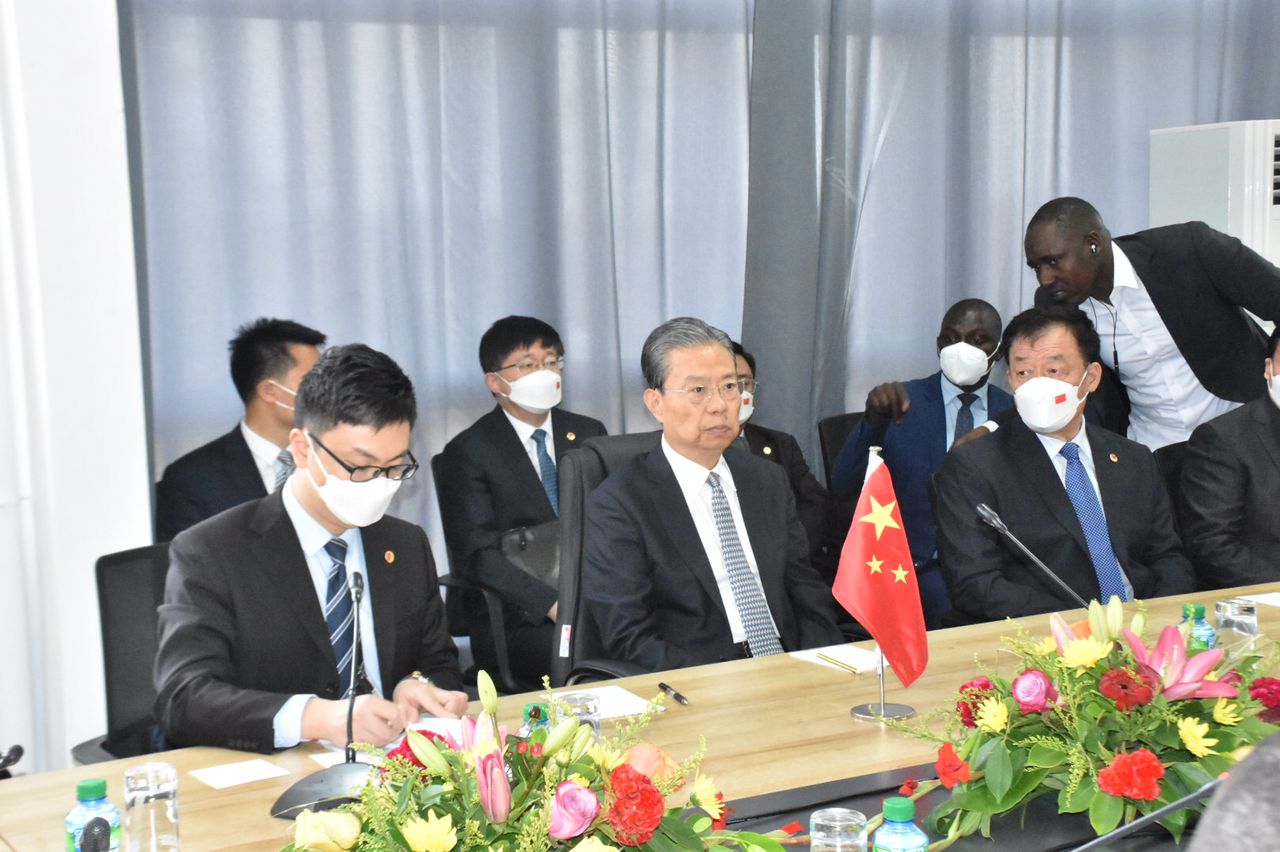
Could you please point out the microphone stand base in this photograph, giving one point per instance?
(876, 712)
(320, 791)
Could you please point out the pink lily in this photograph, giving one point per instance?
(492, 786)
(1179, 676)
(1061, 631)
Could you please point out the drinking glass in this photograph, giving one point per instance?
(1237, 623)
(585, 707)
(151, 808)
(837, 830)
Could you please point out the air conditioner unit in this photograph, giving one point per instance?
(1226, 175)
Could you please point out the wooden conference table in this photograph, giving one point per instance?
(770, 724)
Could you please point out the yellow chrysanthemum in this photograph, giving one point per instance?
(606, 758)
(1192, 731)
(703, 795)
(1047, 645)
(1226, 712)
(579, 780)
(433, 834)
(1082, 653)
(993, 715)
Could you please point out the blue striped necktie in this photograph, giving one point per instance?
(284, 467)
(1096, 535)
(338, 613)
(747, 594)
(550, 479)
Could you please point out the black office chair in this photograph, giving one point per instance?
(579, 652)
(130, 590)
(833, 431)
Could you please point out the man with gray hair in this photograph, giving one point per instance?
(694, 552)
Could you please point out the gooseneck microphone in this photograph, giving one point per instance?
(992, 520)
(355, 585)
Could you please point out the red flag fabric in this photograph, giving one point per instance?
(876, 580)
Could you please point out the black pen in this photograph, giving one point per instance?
(671, 690)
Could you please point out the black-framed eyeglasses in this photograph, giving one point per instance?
(729, 389)
(528, 365)
(367, 473)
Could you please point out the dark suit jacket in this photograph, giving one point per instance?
(1230, 491)
(913, 450)
(204, 482)
(241, 628)
(813, 503)
(490, 487)
(1011, 472)
(648, 582)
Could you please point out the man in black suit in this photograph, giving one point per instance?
(257, 638)
(269, 357)
(1231, 488)
(693, 551)
(813, 503)
(500, 474)
(1088, 502)
(1167, 304)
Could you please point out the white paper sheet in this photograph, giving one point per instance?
(240, 772)
(1268, 599)
(851, 655)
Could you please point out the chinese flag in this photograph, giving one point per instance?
(876, 580)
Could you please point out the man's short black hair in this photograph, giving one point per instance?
(1070, 214)
(511, 333)
(1272, 342)
(260, 350)
(738, 351)
(357, 385)
(1034, 322)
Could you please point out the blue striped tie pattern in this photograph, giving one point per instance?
(284, 467)
(747, 594)
(964, 419)
(338, 613)
(550, 479)
(1089, 510)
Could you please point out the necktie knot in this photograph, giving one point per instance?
(540, 438)
(337, 550)
(1070, 452)
(967, 399)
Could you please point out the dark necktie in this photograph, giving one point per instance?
(964, 420)
(550, 479)
(338, 613)
(284, 467)
(747, 594)
(1089, 510)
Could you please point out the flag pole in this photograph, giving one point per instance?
(880, 712)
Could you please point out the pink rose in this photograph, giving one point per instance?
(572, 810)
(1033, 691)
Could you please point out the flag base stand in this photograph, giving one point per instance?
(876, 712)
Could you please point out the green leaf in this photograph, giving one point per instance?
(1190, 774)
(1080, 801)
(1105, 811)
(679, 832)
(999, 769)
(1045, 757)
(402, 801)
(984, 751)
(1215, 764)
(1026, 784)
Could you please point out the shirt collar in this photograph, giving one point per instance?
(1054, 445)
(951, 391)
(691, 476)
(1123, 275)
(524, 431)
(311, 535)
(259, 447)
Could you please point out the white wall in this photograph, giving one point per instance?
(74, 481)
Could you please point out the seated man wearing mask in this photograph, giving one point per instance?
(500, 474)
(257, 631)
(693, 551)
(813, 503)
(915, 423)
(1231, 487)
(1089, 503)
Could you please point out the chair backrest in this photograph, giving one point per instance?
(130, 590)
(455, 610)
(833, 431)
(581, 470)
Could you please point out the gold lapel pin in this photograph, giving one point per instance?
(571, 436)
(1114, 457)
(768, 451)
(390, 556)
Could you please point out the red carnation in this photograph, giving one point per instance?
(1266, 690)
(403, 751)
(971, 695)
(908, 787)
(637, 806)
(1126, 690)
(1133, 776)
(719, 824)
(951, 769)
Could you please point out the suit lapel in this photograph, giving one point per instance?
(1030, 456)
(1264, 419)
(280, 557)
(241, 466)
(566, 434)
(515, 461)
(380, 568)
(935, 417)
(670, 506)
(755, 517)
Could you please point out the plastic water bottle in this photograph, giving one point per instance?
(92, 793)
(1201, 635)
(899, 832)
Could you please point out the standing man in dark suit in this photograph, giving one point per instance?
(915, 423)
(269, 357)
(257, 637)
(1231, 488)
(813, 503)
(1089, 503)
(501, 474)
(693, 551)
(1167, 304)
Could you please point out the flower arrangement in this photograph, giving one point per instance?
(551, 788)
(1096, 717)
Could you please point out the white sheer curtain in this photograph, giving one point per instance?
(933, 130)
(404, 173)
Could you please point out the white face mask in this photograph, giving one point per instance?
(286, 390)
(1046, 405)
(746, 407)
(536, 393)
(356, 504)
(964, 364)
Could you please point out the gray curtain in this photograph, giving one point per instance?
(899, 146)
(404, 173)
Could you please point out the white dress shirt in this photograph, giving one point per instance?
(1166, 399)
(265, 455)
(525, 433)
(692, 478)
(287, 723)
(951, 405)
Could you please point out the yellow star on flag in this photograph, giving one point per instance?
(881, 516)
(899, 575)
(875, 564)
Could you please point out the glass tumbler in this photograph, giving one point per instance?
(585, 707)
(151, 808)
(837, 830)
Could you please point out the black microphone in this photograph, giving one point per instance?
(355, 584)
(992, 520)
(96, 836)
